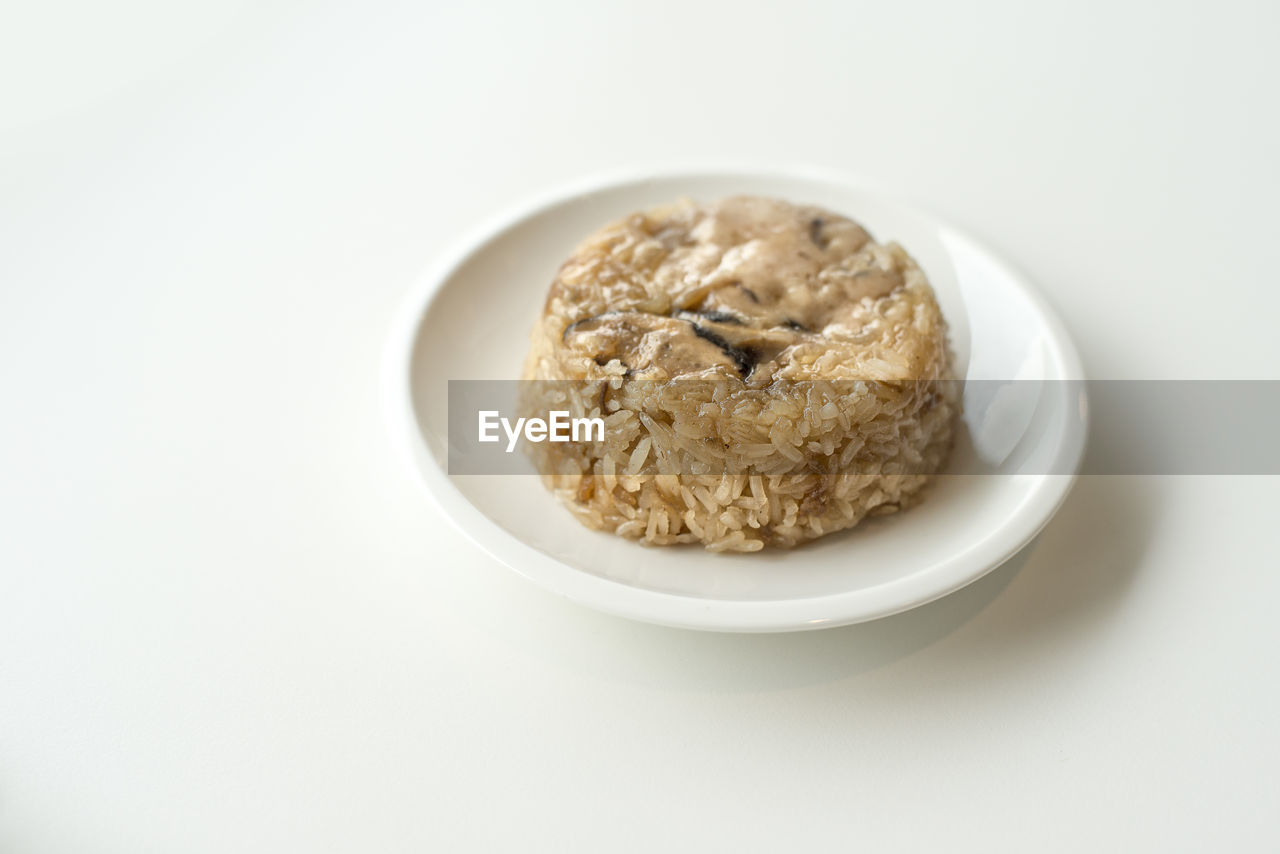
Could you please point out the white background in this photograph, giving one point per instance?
(230, 620)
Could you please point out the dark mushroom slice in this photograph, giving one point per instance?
(744, 359)
(728, 306)
(763, 342)
(648, 344)
(716, 316)
(815, 233)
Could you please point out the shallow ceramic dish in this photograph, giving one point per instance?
(1023, 436)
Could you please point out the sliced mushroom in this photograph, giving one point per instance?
(651, 345)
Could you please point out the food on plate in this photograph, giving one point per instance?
(767, 374)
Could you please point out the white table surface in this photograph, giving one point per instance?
(231, 621)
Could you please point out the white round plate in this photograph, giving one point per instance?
(470, 317)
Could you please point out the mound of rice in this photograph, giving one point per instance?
(767, 374)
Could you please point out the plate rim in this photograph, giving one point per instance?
(671, 609)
